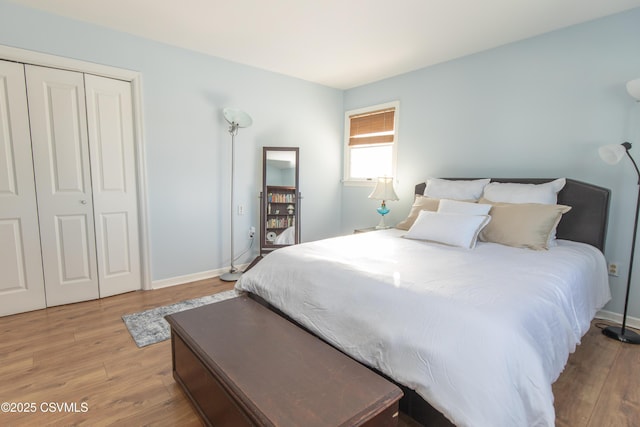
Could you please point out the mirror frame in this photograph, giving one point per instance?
(265, 214)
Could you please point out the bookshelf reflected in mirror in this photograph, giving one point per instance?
(280, 199)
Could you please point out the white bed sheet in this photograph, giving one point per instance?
(480, 334)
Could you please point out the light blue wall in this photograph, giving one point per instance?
(186, 140)
(536, 108)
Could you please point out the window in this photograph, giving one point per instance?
(371, 138)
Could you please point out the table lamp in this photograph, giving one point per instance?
(383, 191)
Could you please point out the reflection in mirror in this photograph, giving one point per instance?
(280, 215)
(281, 168)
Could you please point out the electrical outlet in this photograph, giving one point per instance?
(252, 232)
(240, 210)
(614, 269)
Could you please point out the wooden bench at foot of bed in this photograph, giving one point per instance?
(241, 364)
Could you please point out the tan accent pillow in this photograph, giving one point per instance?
(522, 225)
(421, 203)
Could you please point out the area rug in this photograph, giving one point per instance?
(149, 327)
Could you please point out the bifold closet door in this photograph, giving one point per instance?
(57, 116)
(113, 175)
(21, 278)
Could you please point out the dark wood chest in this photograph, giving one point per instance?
(242, 364)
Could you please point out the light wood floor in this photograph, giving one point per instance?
(82, 354)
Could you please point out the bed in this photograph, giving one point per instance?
(475, 336)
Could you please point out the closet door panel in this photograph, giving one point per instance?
(63, 181)
(21, 280)
(112, 149)
(71, 236)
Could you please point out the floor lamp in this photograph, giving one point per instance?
(237, 119)
(612, 154)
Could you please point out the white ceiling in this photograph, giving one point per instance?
(338, 43)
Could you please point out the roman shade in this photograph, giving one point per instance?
(376, 127)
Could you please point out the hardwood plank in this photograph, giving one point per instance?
(619, 402)
(578, 388)
(83, 353)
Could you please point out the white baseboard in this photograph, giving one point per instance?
(181, 280)
(632, 322)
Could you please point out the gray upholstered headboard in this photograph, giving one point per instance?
(587, 220)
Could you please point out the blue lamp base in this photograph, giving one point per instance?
(382, 210)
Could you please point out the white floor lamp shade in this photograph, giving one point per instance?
(237, 119)
(633, 87)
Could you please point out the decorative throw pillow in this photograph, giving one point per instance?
(448, 228)
(457, 206)
(455, 189)
(510, 192)
(523, 225)
(421, 203)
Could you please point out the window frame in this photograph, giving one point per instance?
(369, 181)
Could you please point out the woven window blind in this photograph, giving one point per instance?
(376, 127)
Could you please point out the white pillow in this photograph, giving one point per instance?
(457, 190)
(448, 228)
(456, 206)
(510, 192)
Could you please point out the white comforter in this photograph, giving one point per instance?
(480, 334)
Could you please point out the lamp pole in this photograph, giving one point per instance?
(237, 119)
(233, 130)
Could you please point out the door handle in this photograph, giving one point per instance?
(83, 202)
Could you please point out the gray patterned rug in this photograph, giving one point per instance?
(149, 327)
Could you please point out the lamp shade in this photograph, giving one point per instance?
(384, 189)
(633, 87)
(612, 153)
(237, 117)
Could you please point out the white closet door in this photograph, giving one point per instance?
(113, 174)
(21, 280)
(63, 182)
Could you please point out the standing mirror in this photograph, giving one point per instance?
(280, 207)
